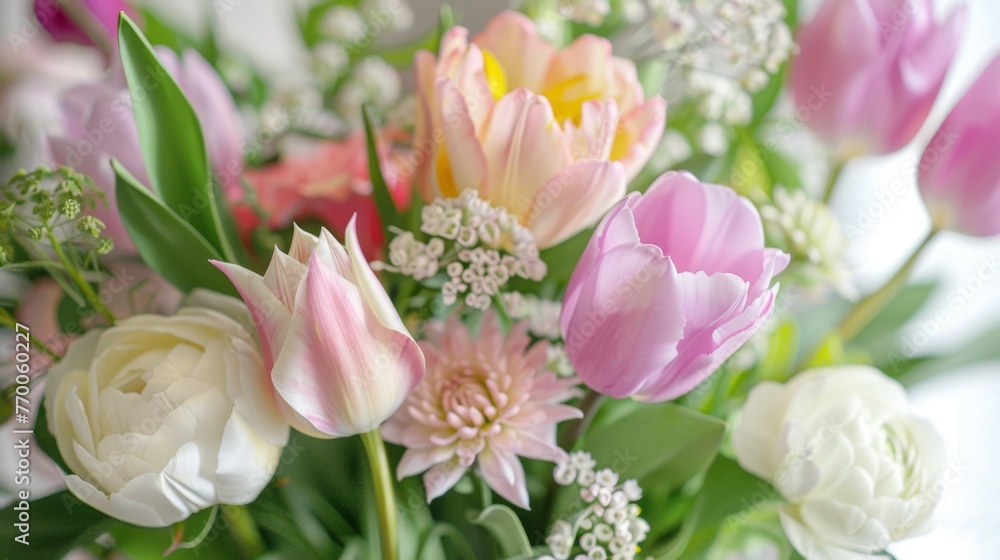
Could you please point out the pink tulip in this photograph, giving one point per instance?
(329, 183)
(672, 283)
(960, 173)
(340, 359)
(868, 71)
(102, 13)
(551, 134)
(98, 125)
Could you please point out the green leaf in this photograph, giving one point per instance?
(829, 352)
(881, 335)
(728, 490)
(168, 244)
(981, 349)
(779, 360)
(662, 444)
(173, 146)
(57, 524)
(505, 526)
(387, 211)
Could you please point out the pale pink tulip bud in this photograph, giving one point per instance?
(340, 359)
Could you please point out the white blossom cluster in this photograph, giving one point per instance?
(541, 315)
(479, 247)
(591, 12)
(609, 527)
(806, 229)
(722, 51)
(372, 82)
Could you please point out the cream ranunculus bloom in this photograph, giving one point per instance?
(161, 416)
(858, 471)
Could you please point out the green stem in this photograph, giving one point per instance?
(589, 405)
(385, 496)
(8, 320)
(244, 531)
(832, 180)
(80, 281)
(870, 306)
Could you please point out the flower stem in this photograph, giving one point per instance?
(385, 497)
(832, 180)
(7, 320)
(870, 306)
(244, 531)
(80, 281)
(589, 405)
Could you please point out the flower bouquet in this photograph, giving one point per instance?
(516, 308)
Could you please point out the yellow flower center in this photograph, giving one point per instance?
(496, 78)
(568, 96)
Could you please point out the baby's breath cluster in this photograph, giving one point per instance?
(541, 315)
(806, 229)
(721, 51)
(478, 247)
(51, 203)
(609, 527)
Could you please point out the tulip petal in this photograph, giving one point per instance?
(375, 295)
(627, 322)
(269, 313)
(575, 198)
(465, 159)
(639, 134)
(350, 387)
(525, 148)
(523, 54)
(702, 227)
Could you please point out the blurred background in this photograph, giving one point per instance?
(876, 199)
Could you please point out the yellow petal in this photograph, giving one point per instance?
(495, 76)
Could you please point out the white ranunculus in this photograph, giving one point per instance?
(858, 471)
(161, 416)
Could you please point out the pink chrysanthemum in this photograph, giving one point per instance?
(486, 400)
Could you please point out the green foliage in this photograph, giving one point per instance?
(173, 146)
(728, 495)
(58, 524)
(505, 526)
(661, 445)
(387, 211)
(165, 241)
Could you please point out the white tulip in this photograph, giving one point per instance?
(838, 443)
(159, 417)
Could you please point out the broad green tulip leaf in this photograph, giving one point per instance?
(387, 211)
(173, 146)
(168, 244)
(882, 334)
(504, 524)
(658, 444)
(56, 525)
(728, 490)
